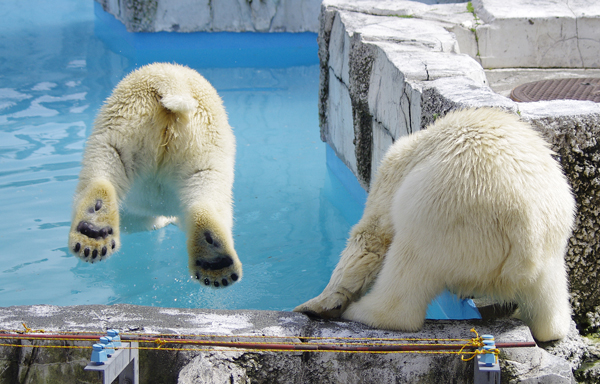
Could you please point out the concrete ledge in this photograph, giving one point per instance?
(540, 33)
(219, 366)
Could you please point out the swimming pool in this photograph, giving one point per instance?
(57, 67)
(60, 60)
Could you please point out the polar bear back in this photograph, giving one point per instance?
(173, 106)
(471, 193)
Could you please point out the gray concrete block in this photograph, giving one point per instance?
(538, 33)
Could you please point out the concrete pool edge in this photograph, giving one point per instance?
(217, 366)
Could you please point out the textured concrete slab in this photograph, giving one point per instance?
(538, 33)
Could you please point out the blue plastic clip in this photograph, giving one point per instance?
(488, 357)
(98, 354)
(116, 339)
(108, 345)
(488, 338)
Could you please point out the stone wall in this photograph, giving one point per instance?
(215, 15)
(390, 68)
(33, 364)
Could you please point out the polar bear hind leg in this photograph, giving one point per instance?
(400, 295)
(94, 233)
(544, 304)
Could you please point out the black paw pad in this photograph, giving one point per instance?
(215, 265)
(92, 231)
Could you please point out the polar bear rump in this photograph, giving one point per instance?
(475, 204)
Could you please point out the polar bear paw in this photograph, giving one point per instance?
(94, 234)
(212, 259)
(326, 305)
(219, 273)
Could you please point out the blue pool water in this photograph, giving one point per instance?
(59, 60)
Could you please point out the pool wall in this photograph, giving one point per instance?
(216, 16)
(391, 68)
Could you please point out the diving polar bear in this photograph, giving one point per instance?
(163, 150)
(474, 204)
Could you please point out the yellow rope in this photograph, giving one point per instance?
(296, 337)
(160, 343)
(174, 339)
(29, 330)
(477, 342)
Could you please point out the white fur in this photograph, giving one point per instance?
(474, 204)
(163, 151)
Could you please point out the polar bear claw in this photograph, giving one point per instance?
(325, 306)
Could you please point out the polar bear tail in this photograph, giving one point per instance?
(179, 103)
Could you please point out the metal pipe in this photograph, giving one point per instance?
(272, 346)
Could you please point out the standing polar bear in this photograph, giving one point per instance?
(474, 204)
(161, 149)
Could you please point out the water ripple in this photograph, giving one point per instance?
(20, 266)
